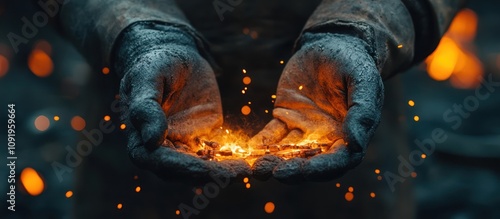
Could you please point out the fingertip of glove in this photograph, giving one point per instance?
(263, 167)
(290, 171)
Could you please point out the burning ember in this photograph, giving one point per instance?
(213, 150)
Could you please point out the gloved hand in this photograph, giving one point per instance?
(171, 97)
(330, 91)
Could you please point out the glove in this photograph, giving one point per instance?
(171, 97)
(330, 92)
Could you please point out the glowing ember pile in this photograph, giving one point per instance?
(210, 150)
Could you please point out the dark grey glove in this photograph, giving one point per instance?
(330, 91)
(172, 98)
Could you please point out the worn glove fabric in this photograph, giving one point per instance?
(171, 97)
(330, 91)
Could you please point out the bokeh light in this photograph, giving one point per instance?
(245, 110)
(78, 123)
(31, 181)
(349, 196)
(411, 103)
(269, 207)
(69, 194)
(416, 118)
(40, 63)
(4, 66)
(247, 80)
(42, 123)
(105, 70)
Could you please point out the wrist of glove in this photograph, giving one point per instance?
(143, 37)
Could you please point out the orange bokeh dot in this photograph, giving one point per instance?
(137, 189)
(78, 123)
(337, 185)
(377, 171)
(56, 118)
(4, 65)
(40, 63)
(349, 196)
(245, 180)
(269, 207)
(42, 123)
(350, 189)
(248, 185)
(411, 103)
(198, 191)
(119, 206)
(107, 118)
(69, 194)
(245, 110)
(31, 181)
(123, 126)
(105, 70)
(247, 80)
(372, 194)
(177, 212)
(416, 118)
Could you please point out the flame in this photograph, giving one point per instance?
(454, 58)
(31, 181)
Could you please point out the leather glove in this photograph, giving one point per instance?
(331, 92)
(171, 98)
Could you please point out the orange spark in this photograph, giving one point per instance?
(269, 207)
(349, 196)
(69, 194)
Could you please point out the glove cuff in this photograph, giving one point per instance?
(145, 36)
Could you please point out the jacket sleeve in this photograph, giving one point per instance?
(399, 33)
(95, 25)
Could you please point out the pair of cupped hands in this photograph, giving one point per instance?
(171, 98)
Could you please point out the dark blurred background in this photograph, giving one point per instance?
(59, 97)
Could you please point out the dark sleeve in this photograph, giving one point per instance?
(399, 32)
(94, 25)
